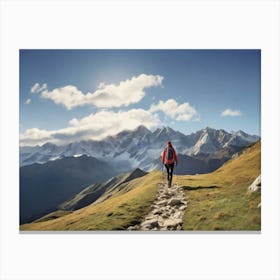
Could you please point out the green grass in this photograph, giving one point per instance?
(115, 213)
(228, 205)
(53, 215)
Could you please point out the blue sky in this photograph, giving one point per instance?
(69, 95)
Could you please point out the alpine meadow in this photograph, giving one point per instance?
(140, 140)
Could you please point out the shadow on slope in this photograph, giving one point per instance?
(115, 213)
(95, 191)
(44, 186)
(190, 188)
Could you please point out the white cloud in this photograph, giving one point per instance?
(95, 126)
(231, 113)
(37, 88)
(69, 96)
(106, 96)
(34, 88)
(27, 101)
(35, 136)
(180, 112)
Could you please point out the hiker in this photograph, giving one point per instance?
(168, 158)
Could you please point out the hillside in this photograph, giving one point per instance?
(122, 210)
(220, 200)
(44, 186)
(100, 191)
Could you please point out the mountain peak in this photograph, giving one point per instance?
(169, 129)
(208, 129)
(48, 145)
(240, 132)
(164, 129)
(142, 128)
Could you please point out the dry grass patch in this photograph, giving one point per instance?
(229, 206)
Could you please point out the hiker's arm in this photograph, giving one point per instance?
(175, 157)
(163, 156)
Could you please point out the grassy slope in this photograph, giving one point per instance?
(100, 192)
(116, 213)
(53, 215)
(230, 206)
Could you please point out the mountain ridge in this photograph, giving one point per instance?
(139, 147)
(44, 186)
(93, 192)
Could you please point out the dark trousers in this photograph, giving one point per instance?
(169, 168)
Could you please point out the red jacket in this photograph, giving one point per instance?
(163, 156)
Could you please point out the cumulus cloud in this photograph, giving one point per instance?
(179, 112)
(69, 96)
(231, 113)
(27, 101)
(37, 88)
(95, 127)
(35, 136)
(125, 93)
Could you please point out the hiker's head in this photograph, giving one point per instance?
(169, 144)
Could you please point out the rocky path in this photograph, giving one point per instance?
(167, 210)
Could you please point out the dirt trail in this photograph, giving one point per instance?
(167, 210)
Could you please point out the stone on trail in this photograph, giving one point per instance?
(162, 202)
(177, 215)
(172, 223)
(183, 207)
(133, 227)
(172, 211)
(166, 195)
(150, 224)
(165, 215)
(157, 212)
(174, 201)
(151, 216)
(179, 227)
(165, 208)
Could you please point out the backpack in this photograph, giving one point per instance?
(169, 154)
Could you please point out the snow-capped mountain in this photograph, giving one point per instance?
(140, 147)
(209, 140)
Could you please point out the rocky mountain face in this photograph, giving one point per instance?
(142, 148)
(256, 185)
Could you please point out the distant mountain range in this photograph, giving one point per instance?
(45, 186)
(141, 147)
